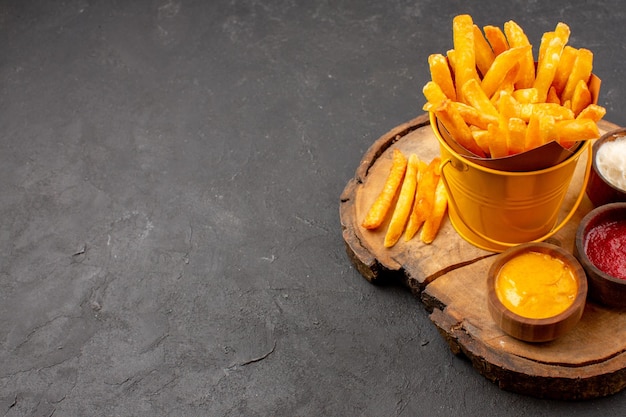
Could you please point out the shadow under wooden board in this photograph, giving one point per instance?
(449, 277)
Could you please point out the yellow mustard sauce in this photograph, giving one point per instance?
(536, 285)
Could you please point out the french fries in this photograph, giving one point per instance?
(517, 135)
(552, 44)
(404, 204)
(496, 39)
(421, 201)
(453, 121)
(592, 112)
(474, 117)
(476, 96)
(506, 103)
(464, 52)
(440, 74)
(563, 71)
(377, 213)
(517, 38)
(433, 221)
(581, 97)
(424, 198)
(484, 53)
(501, 67)
(581, 71)
(495, 100)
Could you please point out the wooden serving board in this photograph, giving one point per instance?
(449, 277)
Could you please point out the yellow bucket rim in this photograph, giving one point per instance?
(442, 141)
(499, 246)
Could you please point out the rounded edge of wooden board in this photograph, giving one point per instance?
(524, 376)
(365, 261)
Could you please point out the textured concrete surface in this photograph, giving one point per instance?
(170, 174)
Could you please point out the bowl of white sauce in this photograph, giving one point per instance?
(607, 180)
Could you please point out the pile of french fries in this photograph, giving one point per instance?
(495, 101)
(414, 196)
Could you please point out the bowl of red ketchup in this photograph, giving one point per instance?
(600, 248)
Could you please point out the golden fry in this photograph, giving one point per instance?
(404, 204)
(496, 39)
(549, 61)
(553, 96)
(566, 63)
(433, 222)
(581, 98)
(517, 135)
(552, 109)
(540, 130)
(481, 137)
(476, 97)
(456, 126)
(517, 38)
(533, 134)
(473, 117)
(507, 85)
(593, 112)
(424, 198)
(483, 52)
(581, 70)
(526, 95)
(501, 66)
(382, 204)
(508, 106)
(546, 38)
(561, 31)
(434, 93)
(498, 138)
(570, 131)
(547, 124)
(440, 74)
(464, 54)
(450, 55)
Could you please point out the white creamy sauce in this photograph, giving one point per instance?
(611, 161)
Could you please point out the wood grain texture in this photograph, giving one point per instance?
(449, 276)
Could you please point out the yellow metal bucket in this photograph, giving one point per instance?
(495, 210)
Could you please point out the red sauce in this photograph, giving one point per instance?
(606, 247)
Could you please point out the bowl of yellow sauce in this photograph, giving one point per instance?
(536, 291)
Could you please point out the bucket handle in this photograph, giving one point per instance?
(547, 235)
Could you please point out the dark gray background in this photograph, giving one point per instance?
(170, 174)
